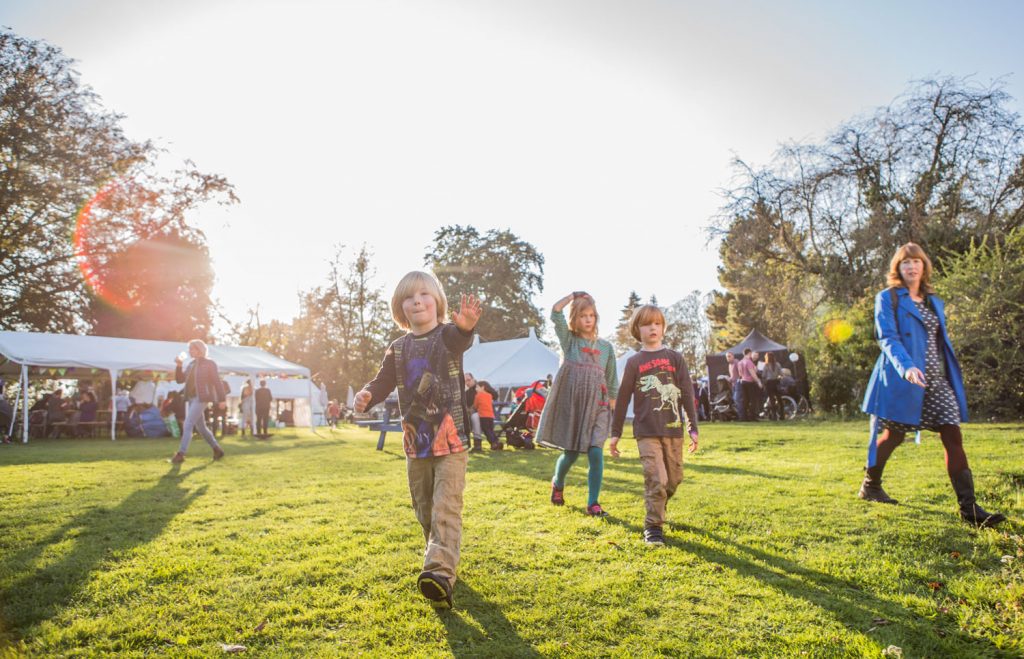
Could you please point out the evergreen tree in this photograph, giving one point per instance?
(623, 340)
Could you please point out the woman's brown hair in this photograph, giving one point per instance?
(910, 251)
(579, 305)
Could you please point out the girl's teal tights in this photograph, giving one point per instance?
(594, 476)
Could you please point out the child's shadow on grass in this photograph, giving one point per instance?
(852, 606)
(498, 638)
(541, 465)
(97, 537)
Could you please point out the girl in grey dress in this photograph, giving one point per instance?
(577, 414)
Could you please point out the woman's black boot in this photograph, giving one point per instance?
(871, 488)
(970, 511)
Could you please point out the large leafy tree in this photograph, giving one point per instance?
(984, 291)
(764, 291)
(688, 330)
(342, 329)
(148, 271)
(64, 162)
(940, 166)
(811, 234)
(497, 266)
(157, 288)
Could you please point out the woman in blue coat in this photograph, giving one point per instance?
(917, 383)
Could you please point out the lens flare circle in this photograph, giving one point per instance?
(86, 252)
(838, 330)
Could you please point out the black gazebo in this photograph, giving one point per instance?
(718, 365)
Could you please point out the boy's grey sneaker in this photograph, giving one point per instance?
(653, 535)
(436, 589)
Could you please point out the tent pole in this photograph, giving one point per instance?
(113, 405)
(24, 408)
(312, 421)
(14, 413)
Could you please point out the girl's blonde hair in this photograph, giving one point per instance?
(645, 315)
(910, 251)
(579, 305)
(201, 345)
(409, 285)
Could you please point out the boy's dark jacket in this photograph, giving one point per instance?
(449, 367)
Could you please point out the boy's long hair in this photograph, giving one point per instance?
(408, 285)
(645, 315)
(579, 305)
(910, 251)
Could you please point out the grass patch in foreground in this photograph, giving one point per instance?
(307, 545)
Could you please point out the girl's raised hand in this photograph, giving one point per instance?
(468, 314)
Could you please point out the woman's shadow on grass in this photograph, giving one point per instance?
(850, 604)
(98, 536)
(499, 637)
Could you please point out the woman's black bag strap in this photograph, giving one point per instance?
(895, 303)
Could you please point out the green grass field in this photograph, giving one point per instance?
(306, 545)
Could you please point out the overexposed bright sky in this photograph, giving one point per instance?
(598, 131)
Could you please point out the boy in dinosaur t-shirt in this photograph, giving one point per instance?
(659, 382)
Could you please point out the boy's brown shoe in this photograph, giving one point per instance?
(218, 453)
(178, 458)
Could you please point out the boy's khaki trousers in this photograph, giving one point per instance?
(662, 460)
(436, 486)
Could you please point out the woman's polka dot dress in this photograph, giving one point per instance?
(940, 407)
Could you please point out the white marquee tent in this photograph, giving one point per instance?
(510, 363)
(305, 412)
(68, 356)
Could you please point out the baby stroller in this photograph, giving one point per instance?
(722, 407)
(521, 424)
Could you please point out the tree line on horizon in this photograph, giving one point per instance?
(95, 238)
(807, 238)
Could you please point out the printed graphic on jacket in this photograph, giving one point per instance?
(428, 426)
(665, 393)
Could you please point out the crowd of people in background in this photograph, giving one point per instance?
(87, 412)
(753, 389)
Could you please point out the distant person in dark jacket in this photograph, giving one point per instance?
(219, 414)
(55, 410)
(6, 414)
(87, 412)
(263, 399)
(202, 386)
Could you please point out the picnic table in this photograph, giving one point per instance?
(385, 424)
(392, 420)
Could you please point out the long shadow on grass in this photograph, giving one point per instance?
(97, 538)
(61, 451)
(541, 465)
(847, 602)
(499, 638)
